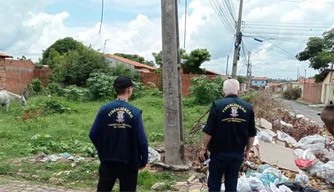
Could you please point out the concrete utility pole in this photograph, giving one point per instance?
(237, 42)
(171, 84)
(249, 71)
(228, 57)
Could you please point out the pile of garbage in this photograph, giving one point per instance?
(64, 157)
(281, 162)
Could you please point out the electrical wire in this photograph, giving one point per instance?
(305, 1)
(275, 44)
(222, 17)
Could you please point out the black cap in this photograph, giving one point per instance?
(123, 82)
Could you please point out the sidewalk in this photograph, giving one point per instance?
(310, 104)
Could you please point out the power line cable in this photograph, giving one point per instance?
(274, 44)
(222, 18)
(305, 1)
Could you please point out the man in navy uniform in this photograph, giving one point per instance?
(120, 140)
(228, 136)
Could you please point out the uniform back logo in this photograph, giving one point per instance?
(234, 112)
(120, 117)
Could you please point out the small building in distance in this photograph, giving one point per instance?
(259, 82)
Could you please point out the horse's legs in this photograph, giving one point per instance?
(7, 106)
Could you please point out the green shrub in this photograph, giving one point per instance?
(119, 70)
(141, 90)
(292, 93)
(74, 93)
(36, 87)
(249, 97)
(55, 89)
(100, 86)
(54, 106)
(205, 90)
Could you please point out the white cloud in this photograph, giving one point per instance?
(31, 30)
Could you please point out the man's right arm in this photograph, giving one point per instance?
(142, 142)
(95, 129)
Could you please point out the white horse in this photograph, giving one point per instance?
(7, 97)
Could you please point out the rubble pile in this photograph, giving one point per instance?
(290, 152)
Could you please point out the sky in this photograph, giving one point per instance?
(134, 27)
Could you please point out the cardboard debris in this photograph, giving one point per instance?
(281, 143)
(262, 123)
(281, 156)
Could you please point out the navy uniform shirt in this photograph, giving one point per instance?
(118, 134)
(230, 123)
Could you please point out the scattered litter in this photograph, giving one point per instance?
(153, 155)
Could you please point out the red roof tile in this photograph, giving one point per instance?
(5, 55)
(130, 62)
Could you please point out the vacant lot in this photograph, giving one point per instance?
(54, 125)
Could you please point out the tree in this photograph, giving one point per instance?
(58, 48)
(319, 51)
(76, 66)
(194, 60)
(191, 63)
(136, 58)
(73, 62)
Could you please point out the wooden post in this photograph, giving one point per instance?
(171, 84)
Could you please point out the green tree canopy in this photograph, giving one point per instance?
(60, 47)
(136, 58)
(73, 62)
(319, 51)
(191, 62)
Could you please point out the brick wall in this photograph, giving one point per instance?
(2, 74)
(312, 93)
(42, 75)
(156, 78)
(18, 75)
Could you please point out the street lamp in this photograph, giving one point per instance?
(104, 47)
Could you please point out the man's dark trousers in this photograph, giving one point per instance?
(110, 171)
(227, 164)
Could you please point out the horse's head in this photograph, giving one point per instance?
(23, 100)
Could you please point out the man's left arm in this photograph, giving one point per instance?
(142, 142)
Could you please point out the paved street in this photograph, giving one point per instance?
(310, 112)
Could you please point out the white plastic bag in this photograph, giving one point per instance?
(243, 184)
(302, 178)
(327, 172)
(305, 154)
(255, 184)
(265, 136)
(285, 137)
(312, 139)
(277, 173)
(319, 148)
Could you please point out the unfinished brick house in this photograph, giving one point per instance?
(15, 75)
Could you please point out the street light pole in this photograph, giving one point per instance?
(104, 47)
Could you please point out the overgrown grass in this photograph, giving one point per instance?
(69, 133)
